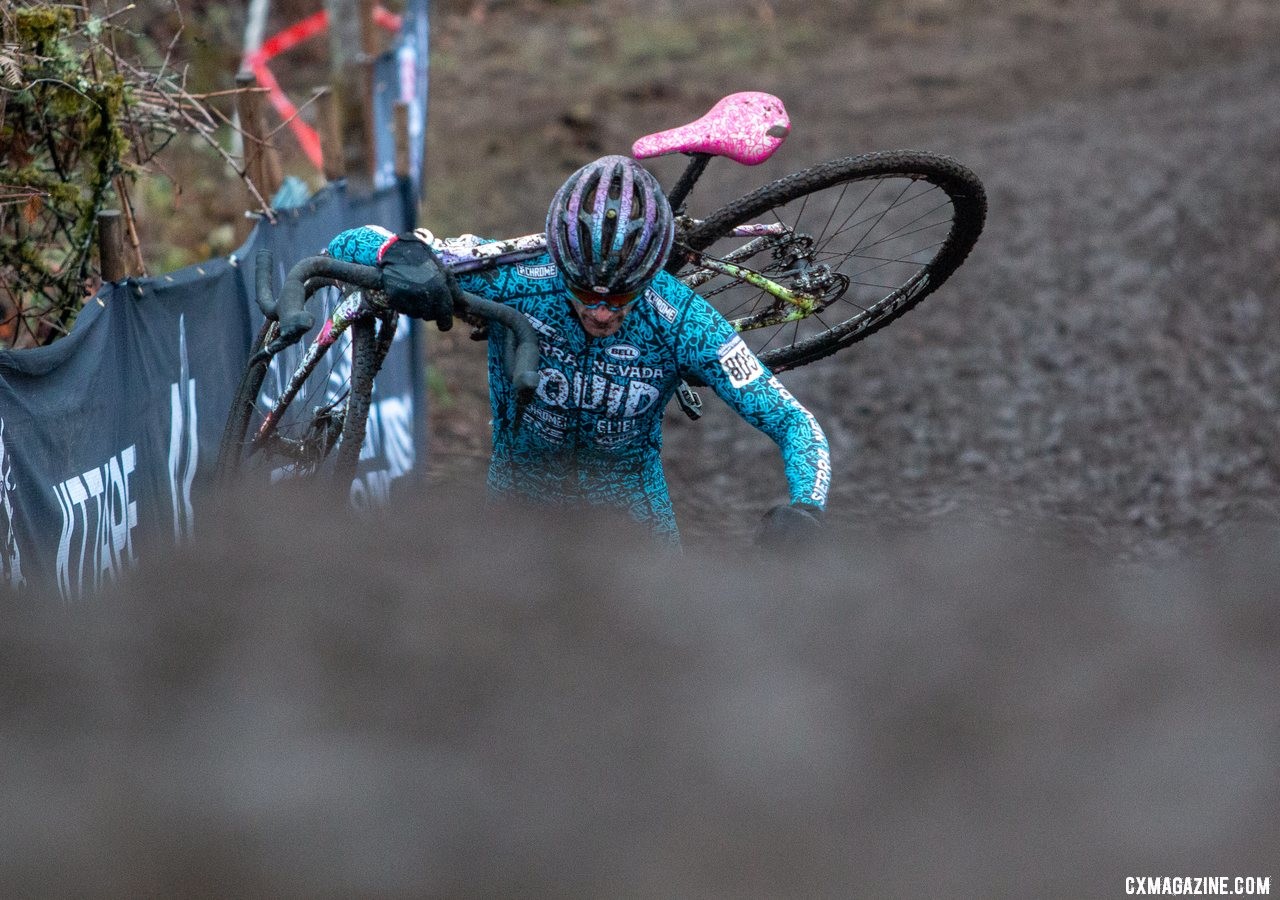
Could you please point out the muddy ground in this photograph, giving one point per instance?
(441, 703)
(1033, 655)
(1106, 359)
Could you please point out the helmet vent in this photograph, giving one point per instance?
(610, 226)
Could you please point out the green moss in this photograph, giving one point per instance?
(438, 393)
(37, 26)
(62, 138)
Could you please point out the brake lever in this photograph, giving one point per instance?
(289, 308)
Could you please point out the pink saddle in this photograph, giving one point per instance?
(746, 127)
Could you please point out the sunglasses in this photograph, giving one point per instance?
(615, 302)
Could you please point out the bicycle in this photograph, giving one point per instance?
(803, 267)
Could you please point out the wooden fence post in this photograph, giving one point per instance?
(261, 161)
(110, 245)
(348, 81)
(246, 106)
(331, 145)
(369, 44)
(403, 162)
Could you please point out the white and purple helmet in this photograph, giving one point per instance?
(610, 227)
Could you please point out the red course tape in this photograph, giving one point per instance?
(287, 39)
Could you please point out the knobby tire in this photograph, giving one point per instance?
(365, 361)
(231, 448)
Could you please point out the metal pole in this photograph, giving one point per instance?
(254, 27)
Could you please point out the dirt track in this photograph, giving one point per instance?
(1105, 359)
(1108, 355)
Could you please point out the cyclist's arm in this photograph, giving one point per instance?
(365, 244)
(711, 349)
(360, 245)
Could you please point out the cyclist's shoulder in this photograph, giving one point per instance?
(668, 300)
(360, 244)
(535, 275)
(683, 309)
(538, 270)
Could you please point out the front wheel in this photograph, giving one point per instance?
(316, 428)
(861, 240)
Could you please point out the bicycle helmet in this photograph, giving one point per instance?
(610, 227)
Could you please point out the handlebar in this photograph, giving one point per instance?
(295, 321)
(522, 359)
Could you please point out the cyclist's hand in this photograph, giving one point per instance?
(789, 525)
(414, 281)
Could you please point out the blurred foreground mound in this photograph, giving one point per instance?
(460, 702)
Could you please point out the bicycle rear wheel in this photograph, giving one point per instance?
(867, 237)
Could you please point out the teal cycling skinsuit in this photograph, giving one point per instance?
(593, 432)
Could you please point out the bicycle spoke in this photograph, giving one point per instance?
(845, 226)
(878, 219)
(834, 207)
(856, 276)
(765, 346)
(829, 255)
(901, 231)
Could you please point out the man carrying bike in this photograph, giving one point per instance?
(617, 334)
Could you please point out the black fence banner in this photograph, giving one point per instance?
(112, 431)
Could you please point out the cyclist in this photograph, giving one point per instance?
(616, 333)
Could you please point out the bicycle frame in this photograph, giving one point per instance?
(363, 307)
(348, 310)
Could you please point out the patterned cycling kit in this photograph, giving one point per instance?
(593, 432)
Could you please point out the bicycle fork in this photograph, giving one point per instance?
(343, 316)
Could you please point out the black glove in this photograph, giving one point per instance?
(789, 525)
(415, 283)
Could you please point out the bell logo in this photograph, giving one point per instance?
(624, 352)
